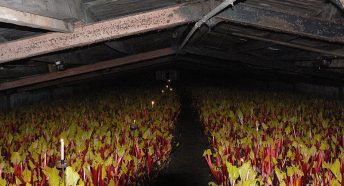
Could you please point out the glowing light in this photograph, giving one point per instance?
(153, 102)
(169, 81)
(242, 160)
(166, 86)
(171, 89)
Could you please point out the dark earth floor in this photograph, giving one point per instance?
(187, 166)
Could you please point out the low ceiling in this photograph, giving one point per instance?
(232, 40)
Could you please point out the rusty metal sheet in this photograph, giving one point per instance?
(88, 68)
(100, 31)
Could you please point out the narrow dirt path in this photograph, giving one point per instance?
(187, 166)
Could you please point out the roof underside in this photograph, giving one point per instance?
(235, 42)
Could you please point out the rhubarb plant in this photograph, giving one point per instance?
(100, 145)
(288, 139)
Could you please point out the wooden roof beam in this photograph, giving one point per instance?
(169, 17)
(100, 31)
(87, 68)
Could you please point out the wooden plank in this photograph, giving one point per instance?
(266, 65)
(58, 9)
(118, 46)
(87, 68)
(109, 8)
(101, 31)
(291, 45)
(284, 22)
(8, 15)
(339, 3)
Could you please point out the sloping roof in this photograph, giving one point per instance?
(220, 38)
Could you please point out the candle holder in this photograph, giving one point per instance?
(133, 126)
(62, 164)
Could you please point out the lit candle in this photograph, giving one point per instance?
(45, 159)
(84, 174)
(153, 102)
(133, 125)
(62, 150)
